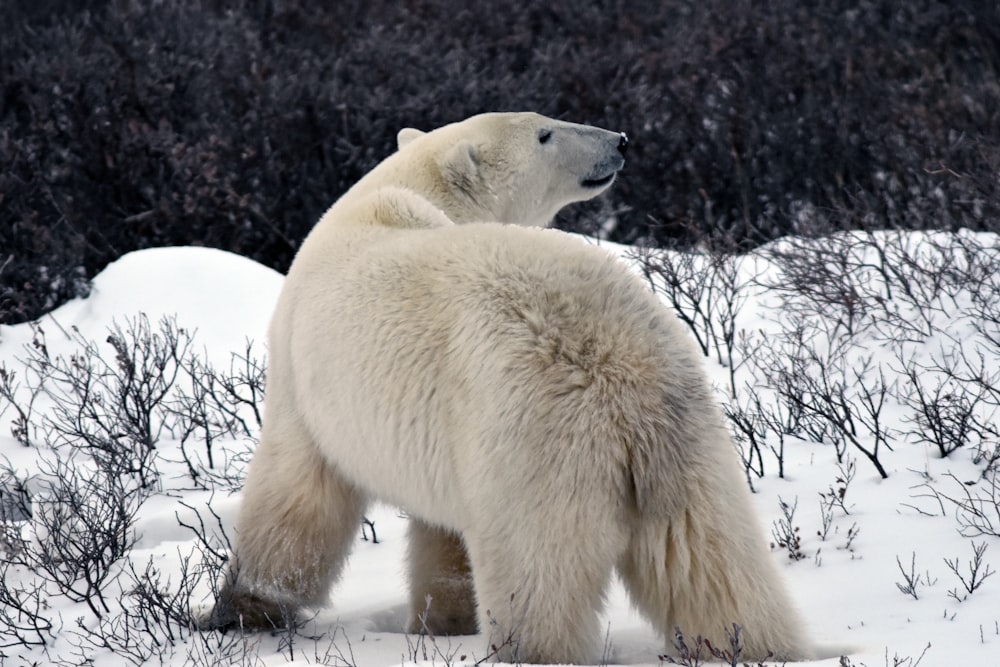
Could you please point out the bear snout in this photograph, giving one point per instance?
(604, 171)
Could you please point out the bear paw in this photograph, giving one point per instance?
(244, 611)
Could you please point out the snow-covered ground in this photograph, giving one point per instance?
(846, 584)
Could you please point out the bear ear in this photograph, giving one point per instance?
(461, 161)
(406, 135)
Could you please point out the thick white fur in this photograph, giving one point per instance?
(540, 416)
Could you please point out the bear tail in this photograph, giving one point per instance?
(697, 559)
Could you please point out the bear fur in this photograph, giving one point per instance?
(543, 420)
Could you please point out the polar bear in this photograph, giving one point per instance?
(542, 419)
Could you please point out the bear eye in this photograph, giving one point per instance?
(544, 136)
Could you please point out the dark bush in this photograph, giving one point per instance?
(126, 125)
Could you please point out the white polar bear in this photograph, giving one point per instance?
(540, 416)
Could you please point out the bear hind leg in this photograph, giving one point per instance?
(682, 575)
(540, 590)
(442, 597)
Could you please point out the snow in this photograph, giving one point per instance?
(226, 297)
(846, 588)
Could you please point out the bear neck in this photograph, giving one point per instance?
(461, 202)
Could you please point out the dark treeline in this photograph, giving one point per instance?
(128, 124)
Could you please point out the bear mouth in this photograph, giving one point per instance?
(601, 182)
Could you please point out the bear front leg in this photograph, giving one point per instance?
(439, 568)
(296, 525)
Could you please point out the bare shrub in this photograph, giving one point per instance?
(761, 423)
(955, 396)
(83, 529)
(750, 434)
(921, 275)
(707, 290)
(23, 426)
(835, 497)
(425, 646)
(151, 616)
(852, 534)
(976, 504)
(213, 407)
(837, 494)
(833, 399)
(116, 412)
(945, 412)
(821, 282)
(15, 508)
(71, 534)
(979, 572)
(25, 617)
(686, 655)
(786, 533)
(235, 649)
(911, 579)
(894, 285)
(334, 654)
(112, 410)
(982, 276)
(694, 653)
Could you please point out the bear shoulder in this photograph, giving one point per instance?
(392, 207)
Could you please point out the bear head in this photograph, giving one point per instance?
(518, 168)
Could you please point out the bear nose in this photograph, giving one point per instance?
(622, 143)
